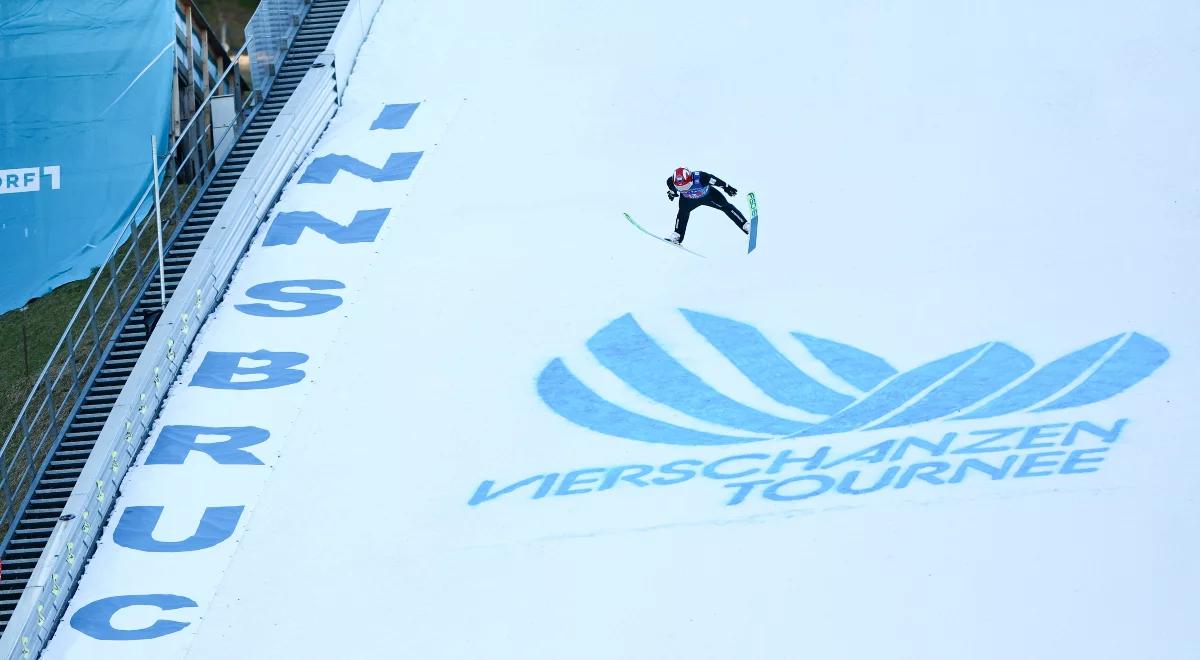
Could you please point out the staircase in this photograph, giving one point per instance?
(35, 524)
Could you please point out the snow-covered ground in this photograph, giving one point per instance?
(507, 425)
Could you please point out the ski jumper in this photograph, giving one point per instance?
(700, 194)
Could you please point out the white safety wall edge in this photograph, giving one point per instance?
(58, 570)
(348, 38)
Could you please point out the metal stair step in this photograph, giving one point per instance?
(112, 378)
(105, 393)
(47, 501)
(37, 523)
(18, 576)
(99, 411)
(23, 545)
(65, 475)
(82, 445)
(111, 381)
(92, 416)
(74, 462)
(67, 459)
(55, 483)
(31, 534)
(80, 441)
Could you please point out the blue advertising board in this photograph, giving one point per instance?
(83, 86)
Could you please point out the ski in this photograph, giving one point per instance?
(753, 222)
(652, 235)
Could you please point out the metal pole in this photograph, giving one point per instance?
(162, 269)
(25, 344)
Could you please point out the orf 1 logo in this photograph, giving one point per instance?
(29, 179)
(985, 381)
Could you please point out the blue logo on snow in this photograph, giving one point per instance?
(985, 381)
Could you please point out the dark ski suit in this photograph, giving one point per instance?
(702, 194)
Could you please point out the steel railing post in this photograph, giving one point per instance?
(116, 286)
(51, 415)
(95, 312)
(162, 271)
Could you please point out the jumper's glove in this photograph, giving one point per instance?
(731, 190)
(671, 195)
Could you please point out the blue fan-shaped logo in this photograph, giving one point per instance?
(985, 381)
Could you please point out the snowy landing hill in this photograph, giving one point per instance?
(454, 406)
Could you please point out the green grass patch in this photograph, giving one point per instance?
(27, 337)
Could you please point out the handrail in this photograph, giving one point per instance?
(233, 63)
(68, 371)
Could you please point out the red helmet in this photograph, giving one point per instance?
(683, 178)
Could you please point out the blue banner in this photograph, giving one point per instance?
(83, 86)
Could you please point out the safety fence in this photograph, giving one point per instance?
(270, 30)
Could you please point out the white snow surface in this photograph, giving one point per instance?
(932, 177)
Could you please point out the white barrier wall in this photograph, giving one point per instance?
(455, 406)
(349, 36)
